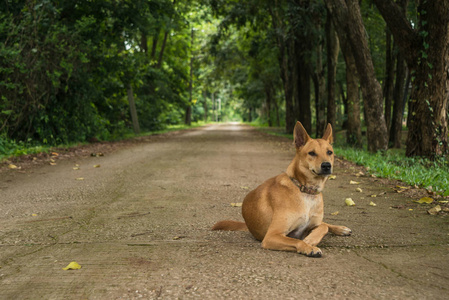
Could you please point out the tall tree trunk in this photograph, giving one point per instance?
(332, 57)
(353, 132)
(389, 78)
(188, 119)
(268, 101)
(284, 65)
(319, 83)
(132, 109)
(205, 105)
(347, 15)
(398, 95)
(426, 50)
(305, 113)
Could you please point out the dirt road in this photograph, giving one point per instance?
(139, 226)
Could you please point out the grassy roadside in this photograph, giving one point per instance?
(10, 148)
(392, 164)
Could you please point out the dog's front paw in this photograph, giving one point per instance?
(312, 252)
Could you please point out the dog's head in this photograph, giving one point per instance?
(315, 157)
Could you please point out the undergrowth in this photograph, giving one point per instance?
(393, 164)
(11, 148)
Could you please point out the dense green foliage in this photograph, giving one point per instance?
(66, 67)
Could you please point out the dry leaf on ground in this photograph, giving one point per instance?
(435, 210)
(353, 182)
(349, 202)
(237, 204)
(72, 266)
(427, 200)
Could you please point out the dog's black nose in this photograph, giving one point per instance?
(326, 167)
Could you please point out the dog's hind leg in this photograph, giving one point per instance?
(339, 230)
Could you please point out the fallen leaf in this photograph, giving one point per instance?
(443, 202)
(238, 204)
(353, 182)
(244, 187)
(427, 200)
(332, 177)
(96, 166)
(349, 202)
(72, 266)
(11, 166)
(446, 209)
(358, 190)
(373, 196)
(410, 209)
(52, 163)
(54, 154)
(79, 178)
(52, 160)
(335, 213)
(403, 187)
(360, 174)
(372, 203)
(76, 168)
(435, 210)
(34, 215)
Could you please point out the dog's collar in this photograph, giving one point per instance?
(303, 188)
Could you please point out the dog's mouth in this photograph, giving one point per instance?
(323, 173)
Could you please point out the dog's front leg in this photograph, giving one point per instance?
(283, 243)
(317, 234)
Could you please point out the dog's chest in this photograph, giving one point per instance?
(306, 216)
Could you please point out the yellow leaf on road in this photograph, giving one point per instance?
(427, 200)
(72, 266)
(435, 210)
(332, 177)
(335, 213)
(359, 190)
(96, 166)
(372, 203)
(349, 202)
(238, 204)
(353, 182)
(11, 166)
(79, 178)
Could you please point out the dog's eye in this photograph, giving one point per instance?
(312, 153)
(329, 152)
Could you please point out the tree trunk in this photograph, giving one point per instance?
(268, 100)
(303, 94)
(188, 120)
(332, 57)
(205, 106)
(285, 68)
(132, 109)
(398, 95)
(426, 50)
(389, 78)
(349, 17)
(319, 83)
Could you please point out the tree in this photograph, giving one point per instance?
(425, 47)
(347, 15)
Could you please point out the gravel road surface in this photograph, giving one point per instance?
(139, 224)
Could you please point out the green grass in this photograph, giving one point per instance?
(11, 148)
(392, 164)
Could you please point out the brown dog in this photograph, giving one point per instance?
(286, 211)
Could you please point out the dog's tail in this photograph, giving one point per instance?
(230, 226)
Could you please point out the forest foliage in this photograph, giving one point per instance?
(75, 71)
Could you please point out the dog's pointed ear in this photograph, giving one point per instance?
(300, 135)
(328, 134)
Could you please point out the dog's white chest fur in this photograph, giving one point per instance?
(303, 221)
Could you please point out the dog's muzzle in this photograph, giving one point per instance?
(326, 168)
